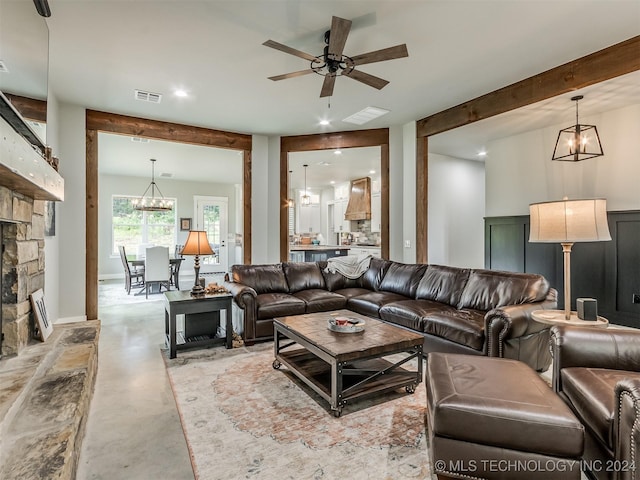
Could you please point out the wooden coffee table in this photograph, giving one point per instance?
(342, 367)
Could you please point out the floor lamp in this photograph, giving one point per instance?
(197, 244)
(567, 222)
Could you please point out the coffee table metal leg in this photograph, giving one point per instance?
(336, 388)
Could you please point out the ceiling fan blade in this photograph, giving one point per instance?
(289, 50)
(367, 79)
(391, 53)
(284, 76)
(327, 86)
(338, 37)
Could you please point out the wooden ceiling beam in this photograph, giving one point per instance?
(173, 132)
(611, 62)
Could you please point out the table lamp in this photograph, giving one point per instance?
(566, 222)
(197, 244)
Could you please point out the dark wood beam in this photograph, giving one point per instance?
(597, 67)
(141, 127)
(328, 141)
(422, 204)
(91, 238)
(246, 203)
(173, 132)
(29, 107)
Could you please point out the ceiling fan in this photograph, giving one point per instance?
(333, 62)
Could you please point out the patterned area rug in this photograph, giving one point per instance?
(243, 419)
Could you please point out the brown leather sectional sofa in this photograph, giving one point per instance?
(458, 310)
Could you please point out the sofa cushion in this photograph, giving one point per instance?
(352, 292)
(592, 396)
(336, 281)
(272, 305)
(262, 278)
(370, 303)
(488, 289)
(402, 278)
(303, 275)
(465, 327)
(409, 313)
(442, 284)
(320, 300)
(373, 276)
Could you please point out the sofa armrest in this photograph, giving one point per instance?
(512, 321)
(242, 294)
(627, 427)
(245, 298)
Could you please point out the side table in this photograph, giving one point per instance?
(178, 302)
(556, 317)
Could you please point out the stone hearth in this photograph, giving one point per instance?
(45, 394)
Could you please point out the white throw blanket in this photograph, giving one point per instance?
(352, 266)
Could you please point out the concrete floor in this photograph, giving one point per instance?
(133, 430)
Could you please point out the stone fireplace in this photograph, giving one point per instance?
(22, 229)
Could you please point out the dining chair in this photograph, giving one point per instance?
(156, 268)
(133, 277)
(175, 265)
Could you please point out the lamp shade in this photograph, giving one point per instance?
(197, 244)
(569, 221)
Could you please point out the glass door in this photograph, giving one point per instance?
(212, 217)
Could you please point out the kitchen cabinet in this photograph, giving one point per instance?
(339, 223)
(358, 250)
(376, 213)
(308, 218)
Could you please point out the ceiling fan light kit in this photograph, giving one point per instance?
(333, 63)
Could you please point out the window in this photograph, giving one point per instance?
(132, 227)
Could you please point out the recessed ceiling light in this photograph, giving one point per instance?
(337, 152)
(482, 153)
(324, 164)
(324, 122)
(180, 93)
(372, 172)
(332, 182)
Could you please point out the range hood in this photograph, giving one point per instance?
(359, 206)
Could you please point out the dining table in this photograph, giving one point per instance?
(174, 264)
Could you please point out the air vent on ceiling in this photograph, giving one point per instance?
(139, 140)
(366, 115)
(147, 96)
(3, 67)
(166, 175)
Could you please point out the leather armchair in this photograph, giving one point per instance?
(597, 373)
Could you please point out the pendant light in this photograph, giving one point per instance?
(290, 202)
(306, 199)
(578, 142)
(152, 203)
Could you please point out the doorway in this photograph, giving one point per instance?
(212, 216)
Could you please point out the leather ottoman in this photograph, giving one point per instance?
(494, 418)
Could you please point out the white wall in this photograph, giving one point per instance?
(259, 199)
(70, 221)
(519, 169)
(408, 192)
(52, 244)
(110, 265)
(456, 211)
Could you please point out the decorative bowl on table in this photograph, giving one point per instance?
(345, 324)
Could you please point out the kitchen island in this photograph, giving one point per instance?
(316, 253)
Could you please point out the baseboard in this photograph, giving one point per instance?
(81, 318)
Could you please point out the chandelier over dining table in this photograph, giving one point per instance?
(151, 203)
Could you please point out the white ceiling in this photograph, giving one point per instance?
(101, 50)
